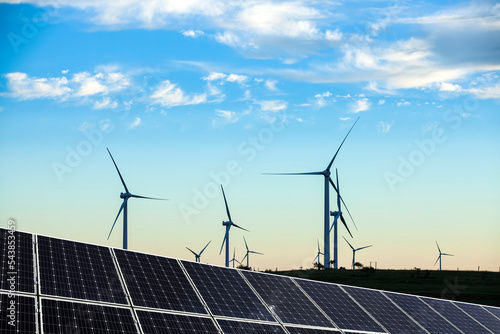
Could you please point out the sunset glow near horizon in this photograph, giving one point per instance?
(191, 95)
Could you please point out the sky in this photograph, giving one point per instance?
(193, 94)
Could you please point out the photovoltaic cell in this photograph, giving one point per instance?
(382, 309)
(480, 314)
(239, 327)
(158, 282)
(17, 261)
(494, 310)
(226, 292)
(301, 330)
(422, 313)
(158, 323)
(344, 312)
(18, 317)
(455, 315)
(286, 300)
(70, 317)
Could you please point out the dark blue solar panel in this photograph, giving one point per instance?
(158, 323)
(67, 317)
(239, 327)
(480, 314)
(78, 270)
(286, 300)
(17, 314)
(16, 255)
(382, 309)
(344, 312)
(301, 330)
(455, 315)
(158, 282)
(494, 310)
(422, 313)
(226, 292)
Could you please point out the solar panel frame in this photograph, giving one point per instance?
(276, 291)
(310, 330)
(481, 315)
(388, 314)
(17, 253)
(493, 310)
(16, 318)
(158, 322)
(231, 326)
(344, 311)
(455, 315)
(167, 287)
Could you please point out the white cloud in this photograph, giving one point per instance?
(271, 85)
(193, 33)
(323, 99)
(272, 105)
(486, 92)
(333, 36)
(64, 71)
(448, 87)
(362, 104)
(227, 116)
(403, 103)
(237, 78)
(345, 118)
(22, 86)
(381, 102)
(137, 122)
(169, 95)
(215, 76)
(383, 127)
(105, 103)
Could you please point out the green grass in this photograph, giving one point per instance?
(469, 286)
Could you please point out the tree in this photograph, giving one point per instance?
(318, 265)
(358, 265)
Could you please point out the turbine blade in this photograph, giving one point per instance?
(118, 215)
(447, 254)
(318, 246)
(317, 257)
(334, 187)
(245, 243)
(158, 199)
(253, 252)
(223, 241)
(437, 259)
(225, 201)
(338, 189)
(438, 247)
(363, 247)
(192, 251)
(244, 257)
(244, 229)
(121, 178)
(205, 247)
(343, 221)
(331, 162)
(348, 243)
(309, 173)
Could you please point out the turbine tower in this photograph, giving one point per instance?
(126, 195)
(228, 225)
(318, 256)
(197, 256)
(234, 257)
(337, 214)
(248, 252)
(354, 251)
(326, 173)
(439, 257)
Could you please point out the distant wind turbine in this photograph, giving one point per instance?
(354, 251)
(326, 173)
(126, 195)
(197, 256)
(440, 254)
(248, 252)
(318, 256)
(233, 260)
(337, 214)
(228, 225)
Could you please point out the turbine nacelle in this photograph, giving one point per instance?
(326, 173)
(124, 195)
(335, 213)
(227, 223)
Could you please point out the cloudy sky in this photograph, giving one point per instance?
(188, 95)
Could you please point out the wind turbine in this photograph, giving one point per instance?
(126, 195)
(326, 173)
(354, 251)
(234, 257)
(439, 257)
(248, 252)
(228, 225)
(317, 256)
(337, 214)
(197, 256)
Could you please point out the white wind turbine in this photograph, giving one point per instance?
(440, 254)
(248, 252)
(318, 256)
(354, 251)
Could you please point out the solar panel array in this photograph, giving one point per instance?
(51, 286)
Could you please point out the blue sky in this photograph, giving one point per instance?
(191, 94)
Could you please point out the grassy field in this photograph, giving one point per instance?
(479, 287)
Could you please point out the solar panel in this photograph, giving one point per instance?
(60, 316)
(493, 310)
(240, 327)
(455, 315)
(384, 311)
(422, 313)
(303, 330)
(286, 300)
(17, 314)
(17, 261)
(344, 312)
(480, 314)
(78, 270)
(226, 292)
(157, 282)
(158, 323)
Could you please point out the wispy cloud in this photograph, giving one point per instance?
(169, 95)
(136, 123)
(272, 105)
(383, 127)
(193, 33)
(360, 105)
